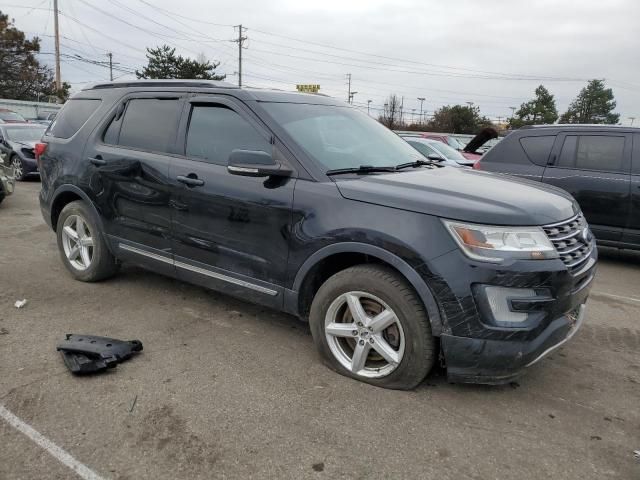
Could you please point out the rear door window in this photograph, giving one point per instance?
(593, 152)
(538, 149)
(150, 124)
(72, 117)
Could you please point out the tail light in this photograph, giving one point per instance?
(476, 166)
(39, 149)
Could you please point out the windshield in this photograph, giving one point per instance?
(11, 117)
(341, 137)
(448, 152)
(29, 134)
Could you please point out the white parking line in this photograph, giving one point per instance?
(82, 470)
(618, 297)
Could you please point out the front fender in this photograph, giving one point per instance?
(416, 281)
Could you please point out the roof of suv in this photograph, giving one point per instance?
(577, 126)
(201, 86)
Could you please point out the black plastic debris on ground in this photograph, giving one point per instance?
(89, 354)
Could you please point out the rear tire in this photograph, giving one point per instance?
(81, 243)
(399, 348)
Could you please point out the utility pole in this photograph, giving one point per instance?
(110, 55)
(513, 111)
(402, 110)
(240, 42)
(420, 119)
(349, 88)
(57, 42)
(369, 105)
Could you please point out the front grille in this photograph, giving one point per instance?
(573, 241)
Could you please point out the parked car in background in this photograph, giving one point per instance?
(304, 204)
(9, 116)
(435, 150)
(462, 138)
(7, 182)
(598, 164)
(17, 142)
(39, 121)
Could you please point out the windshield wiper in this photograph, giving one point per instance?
(417, 163)
(362, 169)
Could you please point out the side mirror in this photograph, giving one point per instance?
(255, 163)
(435, 157)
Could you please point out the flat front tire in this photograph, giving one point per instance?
(368, 323)
(82, 247)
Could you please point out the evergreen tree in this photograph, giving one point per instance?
(594, 104)
(22, 76)
(538, 111)
(164, 63)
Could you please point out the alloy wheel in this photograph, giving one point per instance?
(16, 163)
(77, 241)
(364, 334)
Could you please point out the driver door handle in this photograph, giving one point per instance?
(98, 162)
(190, 180)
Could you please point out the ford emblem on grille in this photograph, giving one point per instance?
(586, 235)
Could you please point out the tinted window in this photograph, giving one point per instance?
(636, 153)
(593, 152)
(111, 133)
(150, 124)
(215, 131)
(538, 148)
(73, 115)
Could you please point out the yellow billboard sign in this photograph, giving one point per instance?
(308, 88)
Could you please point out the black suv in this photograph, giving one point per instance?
(598, 164)
(304, 204)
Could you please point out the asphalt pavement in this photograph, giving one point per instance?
(226, 389)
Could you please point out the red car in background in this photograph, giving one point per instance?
(468, 151)
(453, 143)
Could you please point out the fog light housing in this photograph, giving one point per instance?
(511, 307)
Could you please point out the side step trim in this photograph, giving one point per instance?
(201, 271)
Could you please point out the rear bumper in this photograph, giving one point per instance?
(474, 360)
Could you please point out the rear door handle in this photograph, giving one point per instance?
(190, 180)
(98, 162)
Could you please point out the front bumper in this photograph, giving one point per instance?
(473, 360)
(476, 348)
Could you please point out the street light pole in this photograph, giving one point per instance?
(420, 117)
(368, 106)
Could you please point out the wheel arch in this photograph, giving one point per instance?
(66, 194)
(347, 254)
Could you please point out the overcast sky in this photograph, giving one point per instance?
(492, 52)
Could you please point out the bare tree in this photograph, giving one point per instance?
(392, 114)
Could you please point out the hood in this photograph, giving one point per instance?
(24, 144)
(464, 194)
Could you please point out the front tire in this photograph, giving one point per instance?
(82, 247)
(369, 324)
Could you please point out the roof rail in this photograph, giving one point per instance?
(160, 83)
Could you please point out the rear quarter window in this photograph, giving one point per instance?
(538, 149)
(72, 117)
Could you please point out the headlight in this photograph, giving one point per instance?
(497, 244)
